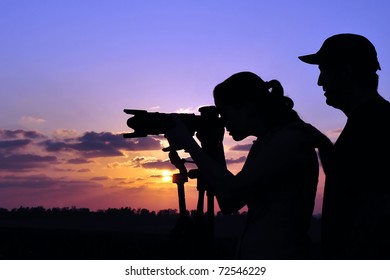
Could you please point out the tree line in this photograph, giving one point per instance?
(123, 211)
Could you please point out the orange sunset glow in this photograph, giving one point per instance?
(95, 170)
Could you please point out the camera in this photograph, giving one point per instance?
(209, 130)
(146, 123)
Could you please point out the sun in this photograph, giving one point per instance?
(166, 176)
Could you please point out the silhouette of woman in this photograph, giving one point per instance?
(278, 181)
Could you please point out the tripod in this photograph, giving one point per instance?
(200, 228)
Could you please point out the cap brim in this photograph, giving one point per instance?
(310, 58)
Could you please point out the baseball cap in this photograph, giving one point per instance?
(345, 48)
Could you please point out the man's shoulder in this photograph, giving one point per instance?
(380, 105)
(374, 112)
(372, 126)
(380, 113)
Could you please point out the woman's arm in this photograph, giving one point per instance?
(274, 155)
(322, 142)
(213, 172)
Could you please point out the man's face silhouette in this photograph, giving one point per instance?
(334, 81)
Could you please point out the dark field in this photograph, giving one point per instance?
(115, 234)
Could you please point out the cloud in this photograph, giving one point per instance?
(79, 161)
(158, 164)
(137, 161)
(153, 163)
(30, 163)
(103, 144)
(8, 145)
(63, 169)
(46, 191)
(25, 161)
(238, 160)
(42, 181)
(147, 143)
(187, 110)
(65, 133)
(115, 165)
(20, 134)
(28, 120)
(84, 170)
(245, 147)
(100, 178)
(18, 151)
(22, 150)
(38, 181)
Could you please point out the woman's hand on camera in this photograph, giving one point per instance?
(179, 137)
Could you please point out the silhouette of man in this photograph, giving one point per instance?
(356, 206)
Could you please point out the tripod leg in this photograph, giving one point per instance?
(182, 200)
(200, 205)
(210, 214)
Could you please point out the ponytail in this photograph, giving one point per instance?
(276, 93)
(277, 108)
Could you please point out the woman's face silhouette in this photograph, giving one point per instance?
(240, 121)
